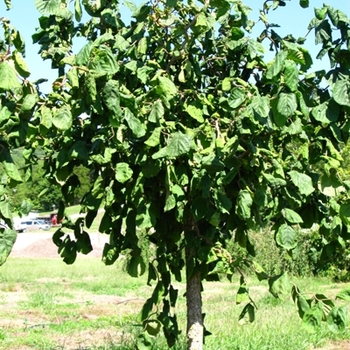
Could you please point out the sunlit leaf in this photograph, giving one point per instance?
(8, 77)
(178, 145)
(123, 172)
(286, 237)
(302, 181)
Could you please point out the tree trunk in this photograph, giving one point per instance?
(194, 312)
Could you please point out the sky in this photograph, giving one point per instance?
(292, 18)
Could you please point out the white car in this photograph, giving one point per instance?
(35, 224)
(19, 227)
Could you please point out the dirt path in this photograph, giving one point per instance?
(40, 245)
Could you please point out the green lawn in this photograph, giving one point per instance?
(46, 304)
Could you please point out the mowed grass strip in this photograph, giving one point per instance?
(45, 304)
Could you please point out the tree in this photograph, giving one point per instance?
(18, 98)
(191, 137)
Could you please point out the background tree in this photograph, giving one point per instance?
(191, 137)
(18, 97)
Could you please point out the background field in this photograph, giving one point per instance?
(46, 304)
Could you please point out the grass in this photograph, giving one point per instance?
(45, 304)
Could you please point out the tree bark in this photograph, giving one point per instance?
(195, 327)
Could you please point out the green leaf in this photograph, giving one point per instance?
(8, 77)
(341, 92)
(237, 97)
(137, 128)
(261, 105)
(336, 319)
(291, 216)
(120, 43)
(243, 204)
(7, 240)
(29, 102)
(195, 112)
(77, 10)
(278, 64)
(287, 104)
(304, 3)
(73, 77)
(9, 166)
(302, 181)
(199, 207)
(337, 16)
(136, 266)
(154, 139)
(344, 294)
(63, 118)
(103, 60)
(224, 204)
(157, 112)
(170, 202)
(46, 117)
(302, 304)
(8, 4)
(226, 84)
(279, 285)
(166, 87)
(179, 144)
(242, 294)
(312, 319)
(112, 98)
(48, 7)
(20, 65)
(275, 181)
(84, 54)
(286, 237)
(143, 73)
(248, 310)
(291, 75)
(123, 172)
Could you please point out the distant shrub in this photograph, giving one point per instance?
(302, 261)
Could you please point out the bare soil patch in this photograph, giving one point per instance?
(40, 245)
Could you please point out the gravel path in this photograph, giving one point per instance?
(40, 245)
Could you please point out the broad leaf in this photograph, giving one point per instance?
(48, 7)
(287, 104)
(279, 285)
(136, 266)
(248, 313)
(157, 112)
(312, 319)
(166, 87)
(77, 10)
(341, 92)
(8, 77)
(7, 240)
(344, 294)
(29, 102)
(62, 118)
(123, 172)
(20, 65)
(302, 181)
(154, 139)
(286, 237)
(237, 97)
(291, 216)
(277, 65)
(179, 144)
(243, 204)
(336, 319)
(195, 112)
(137, 128)
(291, 75)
